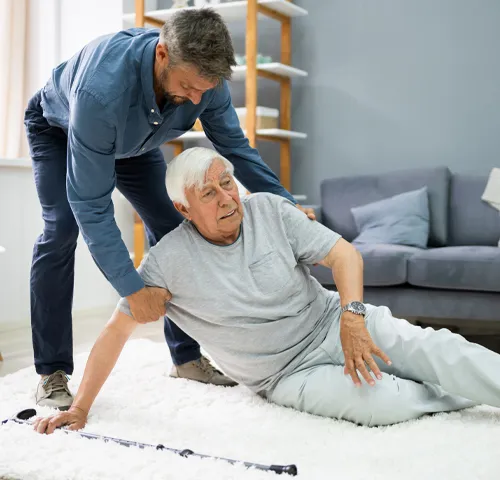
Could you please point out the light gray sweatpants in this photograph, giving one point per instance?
(432, 371)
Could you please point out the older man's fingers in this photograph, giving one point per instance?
(377, 351)
(351, 370)
(57, 421)
(361, 367)
(373, 366)
(35, 423)
(52, 425)
(42, 425)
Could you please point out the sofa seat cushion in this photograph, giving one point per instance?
(384, 265)
(457, 268)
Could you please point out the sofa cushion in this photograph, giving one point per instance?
(384, 265)
(471, 220)
(399, 220)
(456, 268)
(339, 195)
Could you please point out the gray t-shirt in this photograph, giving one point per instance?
(252, 305)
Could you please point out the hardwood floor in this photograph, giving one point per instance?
(17, 350)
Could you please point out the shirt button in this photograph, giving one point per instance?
(142, 149)
(156, 123)
(152, 110)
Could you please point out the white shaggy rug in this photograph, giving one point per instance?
(140, 402)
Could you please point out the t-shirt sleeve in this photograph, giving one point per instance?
(151, 274)
(310, 240)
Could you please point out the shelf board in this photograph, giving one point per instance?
(279, 133)
(235, 10)
(239, 72)
(267, 132)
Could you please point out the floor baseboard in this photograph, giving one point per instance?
(78, 315)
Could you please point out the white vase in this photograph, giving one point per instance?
(200, 3)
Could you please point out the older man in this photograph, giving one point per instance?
(98, 124)
(239, 284)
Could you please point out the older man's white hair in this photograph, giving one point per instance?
(189, 169)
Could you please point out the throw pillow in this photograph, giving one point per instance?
(399, 220)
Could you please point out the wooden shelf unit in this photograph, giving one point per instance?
(230, 11)
(282, 72)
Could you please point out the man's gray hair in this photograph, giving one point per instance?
(189, 169)
(199, 38)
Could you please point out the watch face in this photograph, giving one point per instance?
(358, 308)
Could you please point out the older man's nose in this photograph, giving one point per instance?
(224, 198)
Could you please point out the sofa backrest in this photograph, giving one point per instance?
(339, 195)
(471, 221)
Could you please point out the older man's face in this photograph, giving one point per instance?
(216, 209)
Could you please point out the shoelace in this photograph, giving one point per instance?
(207, 367)
(56, 382)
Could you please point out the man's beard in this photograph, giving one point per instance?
(169, 98)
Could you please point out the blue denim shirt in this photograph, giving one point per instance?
(103, 98)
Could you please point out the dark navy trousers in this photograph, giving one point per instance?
(142, 181)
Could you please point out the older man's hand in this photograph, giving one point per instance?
(308, 211)
(149, 304)
(75, 419)
(358, 348)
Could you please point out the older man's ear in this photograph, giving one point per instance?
(182, 210)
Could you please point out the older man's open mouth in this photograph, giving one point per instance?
(229, 214)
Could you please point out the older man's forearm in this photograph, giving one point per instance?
(347, 269)
(103, 358)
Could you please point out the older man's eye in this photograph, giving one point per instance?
(208, 194)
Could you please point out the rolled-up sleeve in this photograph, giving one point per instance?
(90, 182)
(222, 128)
(310, 240)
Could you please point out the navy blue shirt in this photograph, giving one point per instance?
(103, 98)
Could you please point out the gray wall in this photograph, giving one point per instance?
(392, 84)
(396, 84)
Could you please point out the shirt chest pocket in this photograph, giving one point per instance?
(271, 273)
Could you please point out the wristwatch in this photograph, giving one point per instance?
(357, 308)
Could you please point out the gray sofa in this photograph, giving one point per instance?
(456, 278)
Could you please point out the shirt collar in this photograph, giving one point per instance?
(148, 60)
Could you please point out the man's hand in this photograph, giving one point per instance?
(149, 304)
(358, 348)
(308, 211)
(75, 418)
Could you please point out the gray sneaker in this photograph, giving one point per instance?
(53, 391)
(201, 371)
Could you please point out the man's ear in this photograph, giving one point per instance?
(162, 55)
(182, 209)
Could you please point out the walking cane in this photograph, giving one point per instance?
(24, 416)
